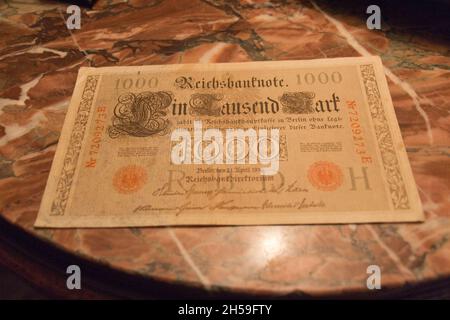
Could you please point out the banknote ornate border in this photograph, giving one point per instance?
(391, 166)
(73, 150)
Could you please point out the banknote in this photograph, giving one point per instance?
(254, 143)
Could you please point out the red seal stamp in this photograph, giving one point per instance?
(129, 179)
(325, 176)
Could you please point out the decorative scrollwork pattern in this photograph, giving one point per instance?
(73, 150)
(205, 104)
(297, 102)
(393, 174)
(141, 115)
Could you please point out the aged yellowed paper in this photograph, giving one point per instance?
(289, 142)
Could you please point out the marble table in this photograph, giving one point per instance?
(39, 60)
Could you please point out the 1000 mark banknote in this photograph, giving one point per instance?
(231, 144)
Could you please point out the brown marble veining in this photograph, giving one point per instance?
(39, 60)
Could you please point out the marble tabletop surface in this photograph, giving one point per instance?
(39, 61)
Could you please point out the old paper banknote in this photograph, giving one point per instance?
(286, 142)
